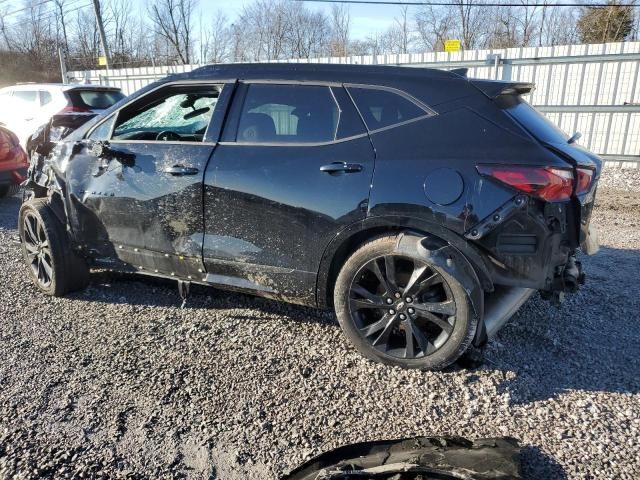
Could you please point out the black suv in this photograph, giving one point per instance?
(425, 207)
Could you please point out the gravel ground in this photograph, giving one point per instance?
(117, 381)
(627, 179)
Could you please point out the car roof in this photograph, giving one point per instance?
(325, 72)
(58, 87)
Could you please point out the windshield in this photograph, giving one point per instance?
(536, 123)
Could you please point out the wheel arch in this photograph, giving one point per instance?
(56, 204)
(352, 237)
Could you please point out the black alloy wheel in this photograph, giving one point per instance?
(402, 307)
(38, 250)
(53, 265)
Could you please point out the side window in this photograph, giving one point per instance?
(26, 96)
(45, 98)
(382, 108)
(102, 131)
(172, 114)
(288, 114)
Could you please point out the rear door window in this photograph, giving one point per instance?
(288, 114)
(381, 108)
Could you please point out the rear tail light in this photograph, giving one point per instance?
(547, 183)
(585, 178)
(74, 109)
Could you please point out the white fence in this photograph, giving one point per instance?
(594, 89)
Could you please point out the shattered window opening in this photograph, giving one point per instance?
(182, 115)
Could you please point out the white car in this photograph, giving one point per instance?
(25, 107)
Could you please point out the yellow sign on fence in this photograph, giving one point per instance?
(102, 61)
(452, 45)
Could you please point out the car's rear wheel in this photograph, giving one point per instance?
(9, 190)
(53, 266)
(402, 310)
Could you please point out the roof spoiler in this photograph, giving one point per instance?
(493, 88)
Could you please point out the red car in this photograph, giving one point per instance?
(13, 163)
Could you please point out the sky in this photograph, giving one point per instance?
(365, 19)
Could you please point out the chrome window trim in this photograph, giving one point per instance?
(297, 144)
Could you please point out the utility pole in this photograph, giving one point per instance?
(63, 66)
(103, 37)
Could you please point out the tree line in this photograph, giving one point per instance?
(168, 32)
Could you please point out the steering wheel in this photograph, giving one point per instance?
(167, 136)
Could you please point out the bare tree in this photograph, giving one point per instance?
(341, 28)
(86, 41)
(309, 33)
(434, 26)
(61, 18)
(216, 39)
(403, 29)
(262, 29)
(173, 21)
(557, 26)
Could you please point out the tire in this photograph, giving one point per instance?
(53, 266)
(400, 310)
(9, 190)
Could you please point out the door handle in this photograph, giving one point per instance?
(179, 170)
(341, 167)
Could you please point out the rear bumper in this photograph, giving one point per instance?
(532, 244)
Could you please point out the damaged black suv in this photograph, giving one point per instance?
(423, 206)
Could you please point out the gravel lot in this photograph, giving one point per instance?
(117, 381)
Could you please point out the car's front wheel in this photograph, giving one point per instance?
(402, 310)
(53, 266)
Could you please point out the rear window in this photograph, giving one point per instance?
(384, 108)
(94, 99)
(536, 123)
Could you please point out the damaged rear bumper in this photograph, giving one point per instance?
(416, 458)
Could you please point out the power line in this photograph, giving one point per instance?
(54, 13)
(30, 7)
(463, 3)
